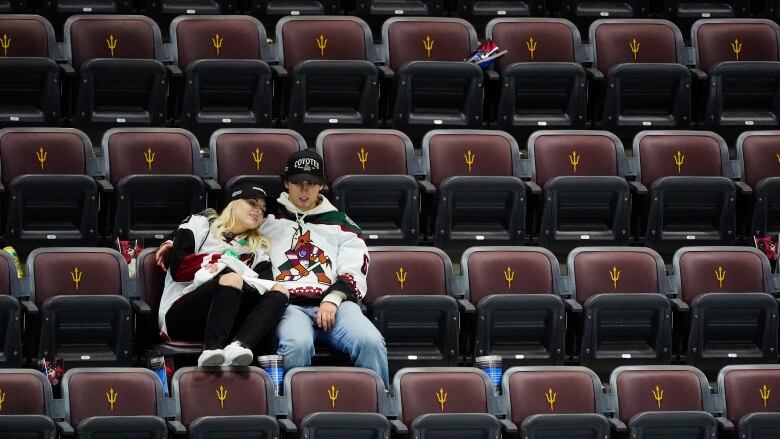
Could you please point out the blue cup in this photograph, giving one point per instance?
(491, 365)
(274, 366)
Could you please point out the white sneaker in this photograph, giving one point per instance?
(237, 355)
(211, 358)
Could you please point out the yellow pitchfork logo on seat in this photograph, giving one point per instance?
(322, 43)
(216, 42)
(333, 395)
(531, 46)
(257, 157)
(634, 46)
(363, 158)
(778, 157)
(111, 42)
(149, 157)
(574, 159)
(720, 275)
(75, 276)
(41, 154)
(764, 392)
(679, 159)
(2, 400)
(509, 276)
(428, 44)
(441, 397)
(550, 396)
(6, 44)
(400, 275)
(614, 274)
(658, 395)
(112, 398)
(469, 156)
(221, 396)
(736, 47)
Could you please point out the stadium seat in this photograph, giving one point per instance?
(333, 81)
(256, 155)
(433, 87)
(519, 312)
(672, 402)
(584, 12)
(271, 11)
(748, 401)
(732, 317)
(330, 402)
(225, 402)
(739, 60)
(27, 404)
(111, 402)
(627, 318)
(376, 12)
(121, 78)
(12, 303)
(542, 81)
(640, 71)
(572, 407)
(479, 12)
(84, 298)
(758, 159)
(163, 11)
(59, 9)
(156, 174)
(227, 81)
(685, 12)
(690, 198)
(13, 6)
(585, 197)
(29, 76)
(371, 176)
(410, 302)
(446, 402)
(479, 196)
(50, 175)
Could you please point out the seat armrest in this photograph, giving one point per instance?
(140, 307)
(212, 184)
(491, 75)
(616, 425)
(426, 186)
(594, 74)
(287, 425)
(679, 305)
(173, 70)
(29, 308)
(2, 188)
(278, 70)
(743, 188)
(533, 187)
(572, 305)
(385, 72)
(64, 428)
(724, 424)
(637, 187)
(508, 426)
(67, 69)
(177, 428)
(698, 74)
(105, 185)
(466, 306)
(399, 426)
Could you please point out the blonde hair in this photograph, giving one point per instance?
(223, 222)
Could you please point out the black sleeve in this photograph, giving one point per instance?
(183, 245)
(264, 270)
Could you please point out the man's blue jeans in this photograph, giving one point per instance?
(353, 334)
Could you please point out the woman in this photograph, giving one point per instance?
(215, 290)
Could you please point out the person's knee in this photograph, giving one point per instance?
(231, 280)
(371, 341)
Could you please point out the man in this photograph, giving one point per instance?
(318, 255)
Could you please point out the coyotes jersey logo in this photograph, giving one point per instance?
(303, 258)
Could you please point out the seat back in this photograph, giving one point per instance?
(407, 271)
(637, 389)
(332, 389)
(508, 270)
(598, 270)
(717, 40)
(25, 392)
(619, 41)
(111, 36)
(28, 36)
(566, 389)
(700, 270)
(25, 151)
(224, 392)
(301, 38)
(542, 40)
(217, 37)
(746, 389)
(757, 156)
(574, 153)
(88, 392)
(150, 281)
(365, 152)
(408, 39)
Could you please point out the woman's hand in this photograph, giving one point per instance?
(165, 247)
(212, 267)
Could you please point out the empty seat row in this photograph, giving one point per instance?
(328, 73)
(319, 402)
